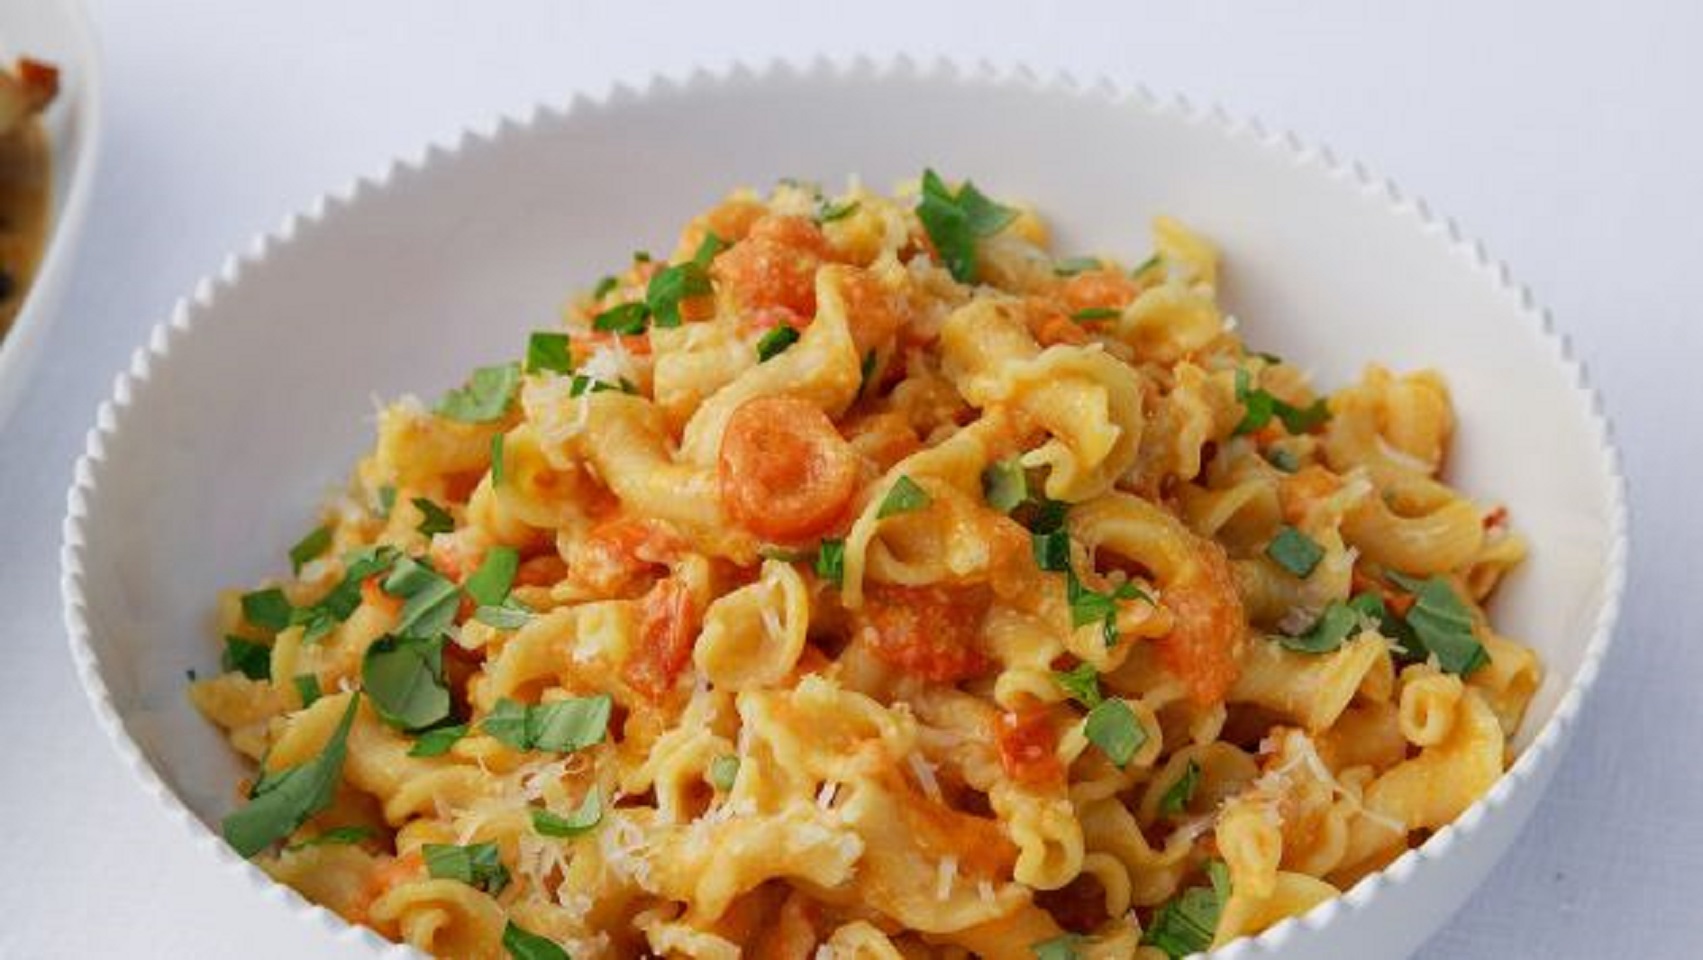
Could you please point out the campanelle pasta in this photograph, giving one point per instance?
(866, 582)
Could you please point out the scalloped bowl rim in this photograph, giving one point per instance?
(1550, 738)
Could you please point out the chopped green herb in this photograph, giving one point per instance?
(1082, 682)
(433, 518)
(1370, 605)
(641, 256)
(307, 687)
(1295, 552)
(563, 726)
(340, 601)
(1283, 459)
(430, 601)
(486, 396)
(866, 370)
(1113, 727)
(252, 660)
(829, 212)
(627, 319)
(497, 463)
(511, 615)
(1089, 314)
(549, 351)
(522, 944)
(1146, 265)
(309, 547)
(1260, 406)
(589, 814)
(1005, 484)
(1052, 550)
(1442, 624)
(479, 865)
(285, 799)
(1088, 606)
(386, 501)
(1338, 622)
(436, 742)
(1181, 792)
(603, 287)
(905, 496)
(1271, 359)
(1187, 924)
(1071, 266)
(403, 676)
(831, 560)
(769, 551)
(955, 221)
(267, 609)
(1048, 516)
(773, 343)
(335, 837)
(1299, 420)
(724, 770)
(1061, 947)
(681, 281)
(489, 585)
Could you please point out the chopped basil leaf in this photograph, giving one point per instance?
(309, 547)
(627, 319)
(335, 837)
(252, 660)
(1052, 550)
(307, 687)
(486, 396)
(479, 865)
(903, 497)
(434, 519)
(430, 601)
(1442, 624)
(489, 585)
(866, 370)
(588, 815)
(268, 609)
(773, 343)
(1005, 484)
(1082, 682)
(403, 676)
(1188, 923)
(641, 256)
(386, 500)
(1112, 727)
(497, 465)
(1299, 420)
(1181, 792)
(831, 560)
(724, 770)
(524, 945)
(1335, 625)
(1283, 459)
(603, 287)
(1062, 947)
(1048, 516)
(285, 799)
(1371, 606)
(829, 212)
(1071, 266)
(1295, 552)
(1145, 265)
(1271, 359)
(340, 601)
(511, 615)
(1260, 406)
(563, 726)
(1096, 313)
(436, 743)
(955, 221)
(549, 351)
(681, 281)
(769, 551)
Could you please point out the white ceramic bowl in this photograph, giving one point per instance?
(256, 396)
(57, 31)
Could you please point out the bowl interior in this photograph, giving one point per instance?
(228, 445)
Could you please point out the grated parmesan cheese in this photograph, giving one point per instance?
(945, 875)
(984, 889)
(924, 772)
(825, 796)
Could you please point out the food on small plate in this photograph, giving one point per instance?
(25, 178)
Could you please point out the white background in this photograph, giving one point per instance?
(1567, 139)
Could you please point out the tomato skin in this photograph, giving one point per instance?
(1028, 747)
(668, 625)
(873, 312)
(784, 471)
(774, 266)
(1097, 290)
(930, 632)
(619, 551)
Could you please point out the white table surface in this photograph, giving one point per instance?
(1566, 139)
